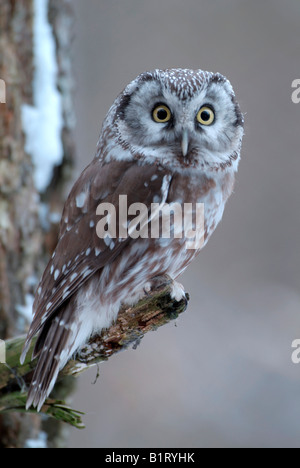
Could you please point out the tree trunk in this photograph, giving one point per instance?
(35, 111)
(29, 212)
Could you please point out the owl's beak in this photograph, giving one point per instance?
(185, 142)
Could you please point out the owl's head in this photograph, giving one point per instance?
(178, 118)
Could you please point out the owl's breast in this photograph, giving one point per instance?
(198, 202)
(174, 236)
(211, 191)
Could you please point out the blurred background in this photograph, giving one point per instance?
(223, 377)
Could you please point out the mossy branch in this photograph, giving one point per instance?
(152, 312)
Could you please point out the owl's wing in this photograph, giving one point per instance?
(80, 253)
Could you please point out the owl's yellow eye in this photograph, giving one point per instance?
(205, 116)
(161, 114)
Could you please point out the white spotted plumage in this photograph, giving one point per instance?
(180, 160)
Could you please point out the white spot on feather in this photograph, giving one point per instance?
(74, 276)
(97, 252)
(80, 200)
(87, 272)
(66, 293)
(107, 241)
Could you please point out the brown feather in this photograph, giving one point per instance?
(50, 347)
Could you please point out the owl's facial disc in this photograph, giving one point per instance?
(181, 124)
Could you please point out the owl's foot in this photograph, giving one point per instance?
(178, 292)
(177, 289)
(158, 282)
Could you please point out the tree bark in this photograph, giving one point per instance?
(26, 243)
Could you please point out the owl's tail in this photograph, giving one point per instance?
(53, 349)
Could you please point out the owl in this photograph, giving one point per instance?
(172, 136)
